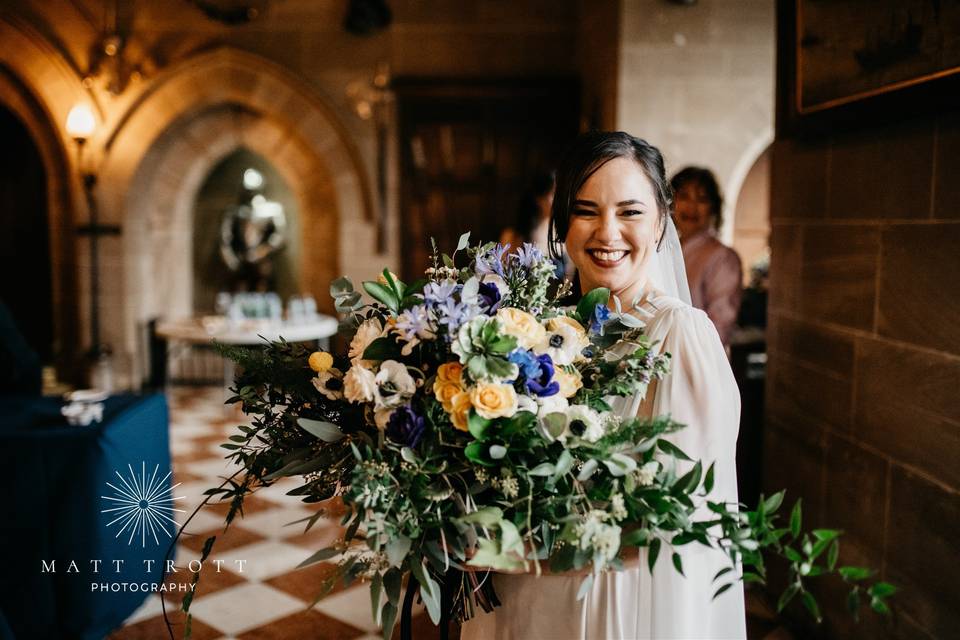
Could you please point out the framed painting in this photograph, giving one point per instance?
(843, 60)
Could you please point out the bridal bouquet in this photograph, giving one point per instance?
(471, 426)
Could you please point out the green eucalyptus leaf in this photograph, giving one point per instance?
(811, 604)
(587, 470)
(882, 590)
(721, 590)
(478, 425)
(376, 583)
(488, 554)
(542, 469)
(795, 520)
(383, 348)
(786, 597)
(341, 286)
(708, 479)
(853, 574)
(485, 517)
(393, 584)
(771, 504)
(397, 550)
(476, 452)
(320, 556)
(853, 603)
(585, 587)
(678, 564)
(326, 431)
(564, 463)
(879, 606)
(833, 554)
(553, 425)
(389, 617)
(652, 554)
(669, 448)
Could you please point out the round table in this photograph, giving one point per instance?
(250, 332)
(208, 329)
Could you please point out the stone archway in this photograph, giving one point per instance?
(191, 116)
(159, 222)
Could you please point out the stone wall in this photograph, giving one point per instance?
(698, 82)
(864, 363)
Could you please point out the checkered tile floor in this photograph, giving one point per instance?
(269, 598)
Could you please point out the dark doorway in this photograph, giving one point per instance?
(26, 286)
(467, 152)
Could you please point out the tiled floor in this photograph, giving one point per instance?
(269, 598)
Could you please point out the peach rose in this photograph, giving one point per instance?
(460, 410)
(493, 400)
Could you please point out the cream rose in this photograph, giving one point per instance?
(521, 325)
(367, 332)
(360, 384)
(493, 400)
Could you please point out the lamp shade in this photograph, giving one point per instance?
(80, 121)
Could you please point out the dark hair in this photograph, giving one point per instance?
(540, 184)
(706, 179)
(588, 153)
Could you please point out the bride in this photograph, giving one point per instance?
(612, 211)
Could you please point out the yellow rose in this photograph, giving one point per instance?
(445, 392)
(460, 410)
(570, 383)
(320, 361)
(493, 400)
(450, 372)
(521, 325)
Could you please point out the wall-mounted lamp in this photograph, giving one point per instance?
(81, 125)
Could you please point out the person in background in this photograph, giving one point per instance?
(713, 269)
(533, 220)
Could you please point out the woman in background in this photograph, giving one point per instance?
(713, 269)
(533, 214)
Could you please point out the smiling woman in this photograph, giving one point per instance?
(612, 210)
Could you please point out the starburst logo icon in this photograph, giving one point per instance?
(143, 505)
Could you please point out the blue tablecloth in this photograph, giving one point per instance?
(53, 486)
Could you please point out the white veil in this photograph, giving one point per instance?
(667, 272)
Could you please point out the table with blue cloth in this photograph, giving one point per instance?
(53, 526)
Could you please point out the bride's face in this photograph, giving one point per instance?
(614, 228)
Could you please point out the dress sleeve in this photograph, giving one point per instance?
(722, 291)
(701, 392)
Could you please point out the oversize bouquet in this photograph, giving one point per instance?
(471, 427)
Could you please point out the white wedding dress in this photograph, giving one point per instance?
(632, 604)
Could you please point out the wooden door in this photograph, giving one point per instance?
(468, 149)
